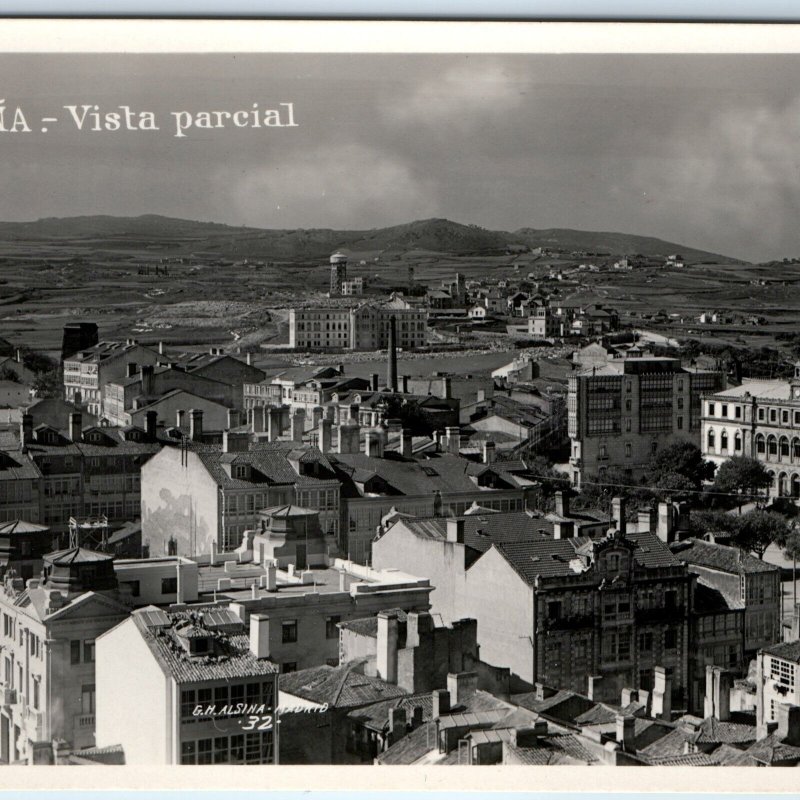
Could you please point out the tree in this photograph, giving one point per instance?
(48, 384)
(673, 486)
(759, 529)
(791, 549)
(8, 374)
(681, 458)
(742, 476)
(38, 362)
(703, 522)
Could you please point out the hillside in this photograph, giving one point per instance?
(437, 235)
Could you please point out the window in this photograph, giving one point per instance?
(554, 609)
(773, 415)
(36, 693)
(88, 651)
(670, 599)
(87, 698)
(785, 417)
(169, 585)
(646, 642)
(670, 639)
(135, 588)
(737, 441)
(75, 651)
(711, 440)
(724, 411)
(289, 666)
(723, 440)
(289, 631)
(737, 412)
(188, 753)
(627, 449)
(711, 409)
(680, 423)
(331, 629)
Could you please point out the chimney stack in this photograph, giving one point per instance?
(446, 387)
(148, 380)
(618, 512)
(455, 530)
(391, 367)
(75, 426)
(626, 731)
(562, 504)
(488, 452)
(195, 424)
(452, 440)
(257, 421)
(130, 369)
(662, 695)
(349, 439)
(398, 724)
(151, 425)
(387, 646)
(664, 529)
(789, 724)
(441, 703)
(248, 359)
(179, 595)
(324, 443)
(259, 635)
(461, 686)
(404, 381)
(375, 380)
(406, 444)
(274, 423)
(373, 443)
(719, 683)
(298, 425)
(233, 418)
(179, 417)
(161, 348)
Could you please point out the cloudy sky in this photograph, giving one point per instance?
(700, 150)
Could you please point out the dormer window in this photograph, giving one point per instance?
(240, 471)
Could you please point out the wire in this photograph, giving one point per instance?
(643, 486)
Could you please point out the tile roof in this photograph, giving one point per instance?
(766, 389)
(411, 747)
(15, 466)
(773, 751)
(708, 597)
(790, 651)
(368, 626)
(232, 658)
(564, 705)
(720, 557)
(376, 715)
(339, 687)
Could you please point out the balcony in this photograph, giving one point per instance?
(660, 616)
(571, 623)
(84, 721)
(8, 697)
(34, 724)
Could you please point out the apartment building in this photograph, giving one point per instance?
(365, 327)
(50, 626)
(620, 414)
(201, 677)
(759, 419)
(87, 372)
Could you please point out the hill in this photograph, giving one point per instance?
(437, 235)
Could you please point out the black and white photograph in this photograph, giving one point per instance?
(400, 407)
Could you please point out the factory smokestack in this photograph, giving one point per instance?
(391, 367)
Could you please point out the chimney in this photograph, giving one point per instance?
(324, 443)
(665, 526)
(375, 379)
(212, 559)
(461, 686)
(195, 424)
(391, 366)
(626, 731)
(179, 594)
(298, 425)
(488, 452)
(406, 444)
(594, 690)
(562, 504)
(629, 696)
(662, 695)
(258, 418)
(373, 443)
(342, 580)
(397, 724)
(349, 439)
(75, 426)
(446, 386)
(151, 425)
(452, 440)
(18, 355)
(645, 520)
(789, 724)
(618, 513)
(259, 635)
(249, 359)
(161, 348)
(271, 577)
(441, 703)
(387, 646)
(564, 529)
(455, 530)
(130, 369)
(148, 380)
(179, 417)
(274, 423)
(719, 683)
(404, 380)
(235, 442)
(233, 418)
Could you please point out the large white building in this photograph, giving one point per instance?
(365, 327)
(759, 419)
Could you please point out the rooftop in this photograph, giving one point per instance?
(720, 557)
(339, 687)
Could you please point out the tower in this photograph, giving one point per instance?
(391, 366)
(338, 273)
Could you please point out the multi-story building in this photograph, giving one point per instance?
(777, 681)
(552, 607)
(48, 651)
(87, 472)
(365, 327)
(204, 496)
(87, 372)
(759, 419)
(203, 691)
(20, 487)
(620, 414)
(353, 287)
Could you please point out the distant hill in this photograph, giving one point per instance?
(615, 243)
(438, 235)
